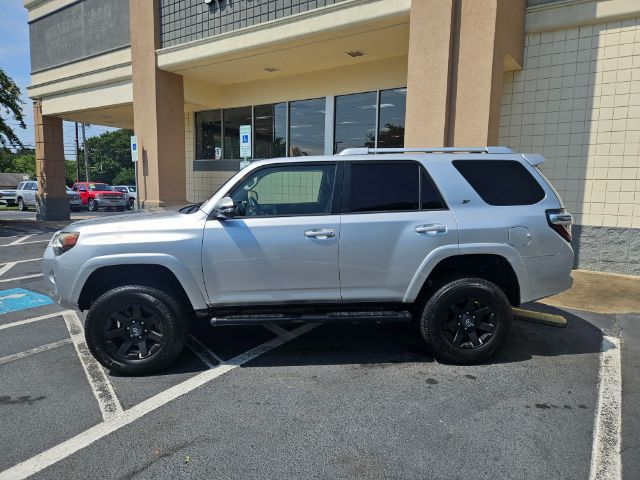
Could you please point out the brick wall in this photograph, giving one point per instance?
(577, 101)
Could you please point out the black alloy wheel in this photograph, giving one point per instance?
(134, 332)
(470, 323)
(465, 320)
(137, 329)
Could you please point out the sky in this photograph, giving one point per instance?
(14, 60)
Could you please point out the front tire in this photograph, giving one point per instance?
(21, 205)
(92, 205)
(136, 329)
(466, 320)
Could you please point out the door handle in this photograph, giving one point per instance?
(432, 229)
(320, 233)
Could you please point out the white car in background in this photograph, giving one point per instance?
(7, 197)
(131, 193)
(25, 196)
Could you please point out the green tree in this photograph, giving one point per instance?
(110, 158)
(19, 161)
(11, 103)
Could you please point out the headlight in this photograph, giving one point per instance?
(63, 241)
(99, 195)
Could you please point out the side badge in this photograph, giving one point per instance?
(465, 202)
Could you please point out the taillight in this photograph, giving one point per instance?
(560, 220)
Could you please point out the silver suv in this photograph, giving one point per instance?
(448, 238)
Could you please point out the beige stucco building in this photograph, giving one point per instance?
(557, 77)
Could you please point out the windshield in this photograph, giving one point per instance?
(100, 187)
(132, 189)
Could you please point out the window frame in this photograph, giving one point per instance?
(336, 199)
(346, 187)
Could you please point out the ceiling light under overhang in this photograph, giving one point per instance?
(356, 53)
(271, 69)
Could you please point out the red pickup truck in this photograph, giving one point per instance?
(99, 195)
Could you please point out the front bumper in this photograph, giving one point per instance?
(111, 202)
(56, 277)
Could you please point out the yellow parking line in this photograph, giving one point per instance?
(539, 317)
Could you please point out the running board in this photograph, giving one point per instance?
(353, 317)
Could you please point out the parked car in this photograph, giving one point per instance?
(130, 191)
(75, 202)
(8, 197)
(449, 239)
(96, 195)
(26, 194)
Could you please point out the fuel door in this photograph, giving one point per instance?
(519, 236)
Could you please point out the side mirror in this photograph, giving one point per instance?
(225, 208)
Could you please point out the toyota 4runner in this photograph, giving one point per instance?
(450, 238)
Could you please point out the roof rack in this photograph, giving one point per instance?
(369, 151)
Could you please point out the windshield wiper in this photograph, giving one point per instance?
(190, 208)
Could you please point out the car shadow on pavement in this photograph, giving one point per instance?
(402, 343)
(382, 344)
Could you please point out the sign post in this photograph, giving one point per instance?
(245, 145)
(134, 159)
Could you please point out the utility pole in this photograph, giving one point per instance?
(86, 155)
(77, 155)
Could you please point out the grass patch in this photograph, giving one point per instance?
(6, 208)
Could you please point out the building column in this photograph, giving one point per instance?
(158, 113)
(52, 200)
(458, 52)
(428, 72)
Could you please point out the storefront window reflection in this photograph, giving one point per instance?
(392, 110)
(306, 131)
(355, 124)
(233, 118)
(270, 124)
(208, 135)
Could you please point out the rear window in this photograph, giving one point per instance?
(501, 182)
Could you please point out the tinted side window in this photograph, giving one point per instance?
(430, 198)
(286, 190)
(501, 182)
(384, 187)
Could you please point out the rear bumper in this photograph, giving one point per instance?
(549, 275)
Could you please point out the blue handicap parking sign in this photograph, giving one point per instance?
(16, 299)
(245, 138)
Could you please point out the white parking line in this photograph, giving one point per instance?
(34, 319)
(6, 267)
(100, 385)
(605, 453)
(35, 275)
(276, 329)
(24, 261)
(20, 240)
(63, 450)
(33, 351)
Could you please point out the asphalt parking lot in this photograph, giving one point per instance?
(351, 401)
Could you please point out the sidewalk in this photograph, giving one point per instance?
(600, 292)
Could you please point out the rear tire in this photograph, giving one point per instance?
(466, 320)
(135, 329)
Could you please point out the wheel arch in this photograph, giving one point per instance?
(100, 277)
(495, 267)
